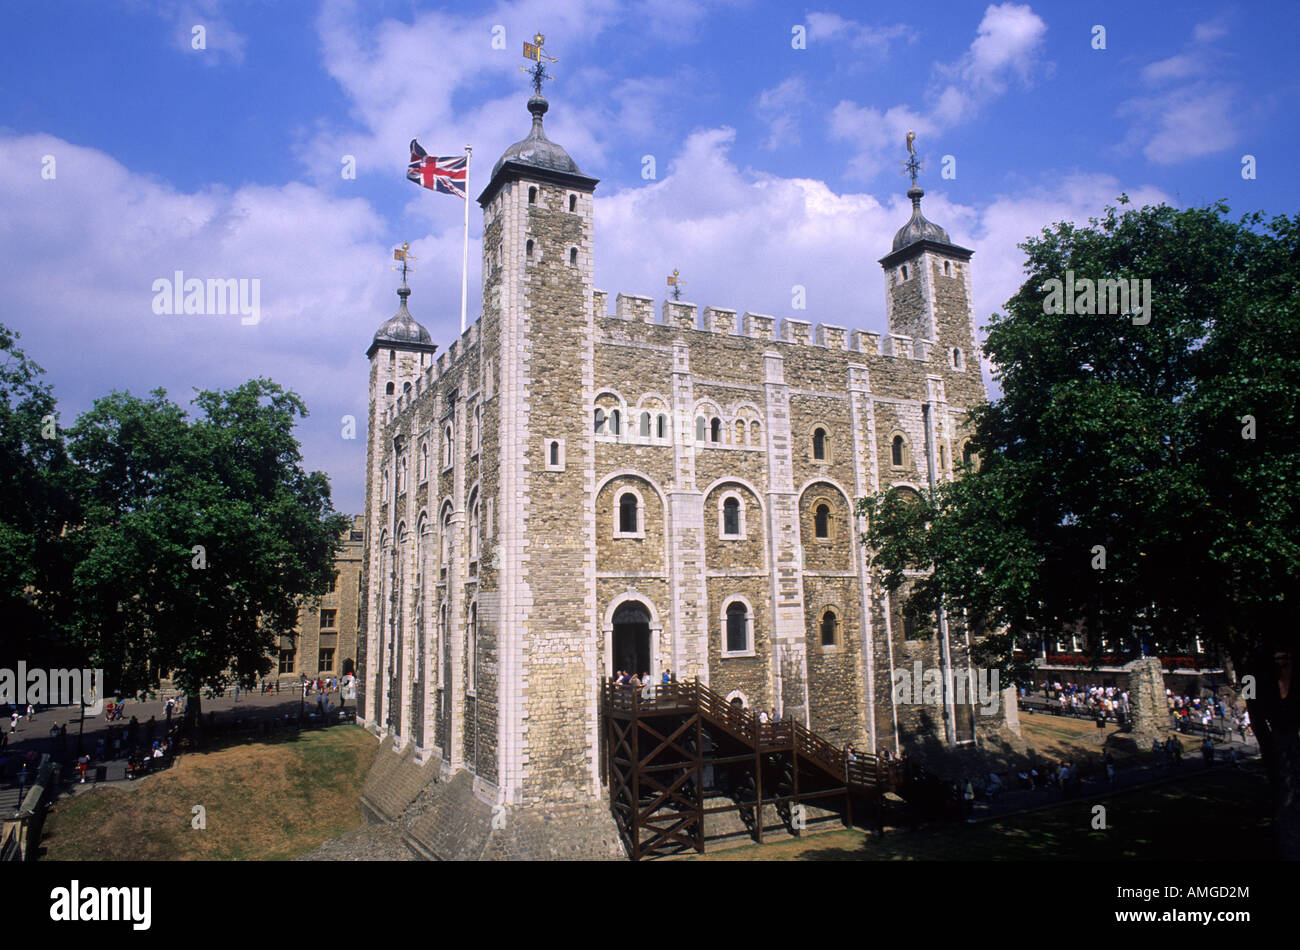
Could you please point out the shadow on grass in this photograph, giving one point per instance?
(1216, 816)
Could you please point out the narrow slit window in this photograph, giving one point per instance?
(823, 521)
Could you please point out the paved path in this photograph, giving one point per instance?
(32, 739)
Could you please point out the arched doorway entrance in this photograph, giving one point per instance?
(630, 640)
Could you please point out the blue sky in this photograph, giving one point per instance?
(775, 166)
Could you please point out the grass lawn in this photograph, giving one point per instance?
(1219, 816)
(264, 801)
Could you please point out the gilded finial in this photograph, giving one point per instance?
(404, 255)
(533, 51)
(913, 164)
(675, 283)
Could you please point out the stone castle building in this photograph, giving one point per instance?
(567, 491)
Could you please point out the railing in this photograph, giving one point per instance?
(863, 770)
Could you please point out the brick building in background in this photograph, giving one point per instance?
(325, 643)
(566, 492)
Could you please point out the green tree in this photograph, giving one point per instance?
(36, 505)
(1119, 482)
(201, 538)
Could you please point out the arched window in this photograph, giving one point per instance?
(645, 425)
(904, 272)
(528, 248)
(661, 432)
(830, 624)
(555, 453)
(740, 432)
(474, 532)
(731, 517)
(406, 389)
(573, 202)
(700, 426)
(424, 461)
(956, 357)
(446, 543)
(947, 268)
(822, 521)
(600, 421)
(477, 434)
(532, 196)
(819, 444)
(614, 422)
(401, 474)
(627, 514)
(738, 628)
(389, 389)
(755, 434)
(715, 431)
(573, 257)
(897, 451)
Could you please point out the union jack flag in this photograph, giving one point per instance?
(439, 173)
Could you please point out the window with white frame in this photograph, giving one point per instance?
(829, 628)
(820, 444)
(555, 455)
(629, 514)
(448, 446)
(731, 517)
(737, 628)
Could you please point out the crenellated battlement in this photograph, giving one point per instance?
(683, 315)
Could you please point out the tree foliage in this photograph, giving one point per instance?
(1143, 478)
(1115, 485)
(201, 538)
(35, 507)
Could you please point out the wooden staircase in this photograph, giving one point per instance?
(662, 741)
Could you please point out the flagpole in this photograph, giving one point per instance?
(464, 253)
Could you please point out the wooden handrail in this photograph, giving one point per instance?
(862, 769)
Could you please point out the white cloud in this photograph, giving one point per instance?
(221, 41)
(1008, 45)
(84, 249)
(781, 107)
(1187, 111)
(1184, 123)
(874, 41)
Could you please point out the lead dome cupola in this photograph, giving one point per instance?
(536, 149)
